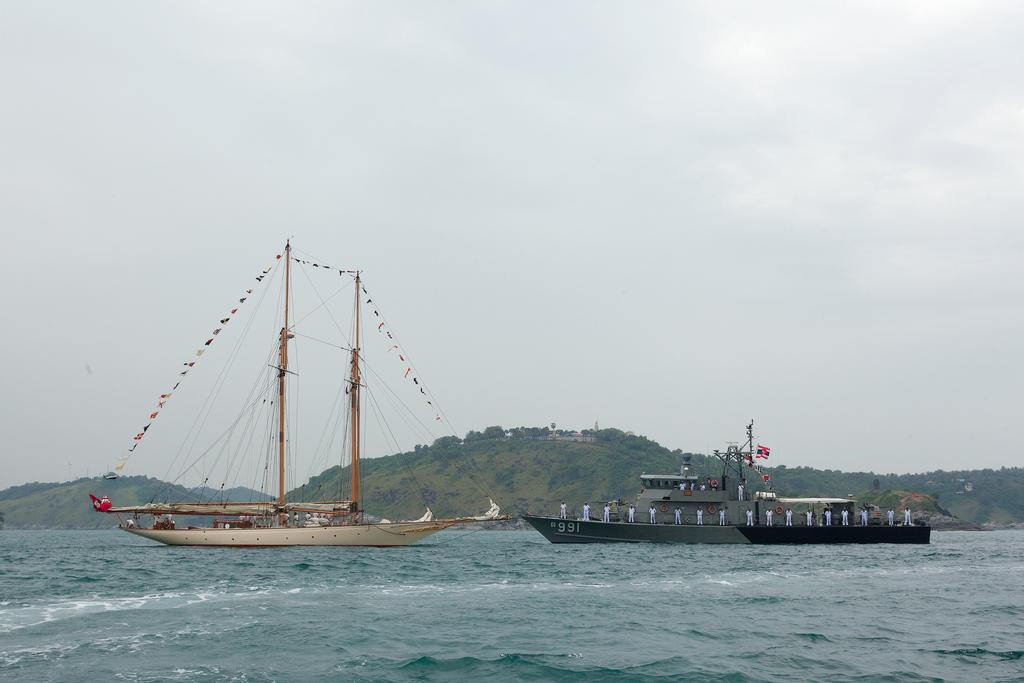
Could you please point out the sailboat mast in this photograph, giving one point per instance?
(282, 368)
(354, 381)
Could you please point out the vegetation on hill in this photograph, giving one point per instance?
(67, 506)
(531, 469)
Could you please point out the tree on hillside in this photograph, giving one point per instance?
(495, 432)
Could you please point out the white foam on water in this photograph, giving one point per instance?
(34, 615)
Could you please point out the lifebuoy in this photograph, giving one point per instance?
(664, 507)
(779, 510)
(712, 509)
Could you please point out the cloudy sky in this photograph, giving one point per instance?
(668, 217)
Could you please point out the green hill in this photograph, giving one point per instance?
(529, 472)
(66, 505)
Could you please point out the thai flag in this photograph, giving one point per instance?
(762, 451)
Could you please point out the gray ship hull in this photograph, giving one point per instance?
(580, 531)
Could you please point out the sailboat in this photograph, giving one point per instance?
(279, 521)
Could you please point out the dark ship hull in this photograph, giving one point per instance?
(579, 531)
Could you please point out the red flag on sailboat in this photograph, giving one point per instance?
(100, 504)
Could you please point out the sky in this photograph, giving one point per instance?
(669, 218)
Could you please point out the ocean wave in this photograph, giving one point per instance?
(979, 652)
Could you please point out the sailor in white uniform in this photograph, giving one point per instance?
(810, 518)
(828, 517)
(721, 517)
(750, 518)
(679, 516)
(907, 518)
(789, 517)
(768, 516)
(890, 515)
(739, 492)
(586, 511)
(700, 516)
(846, 517)
(682, 486)
(863, 517)
(563, 512)
(631, 516)
(607, 516)
(653, 512)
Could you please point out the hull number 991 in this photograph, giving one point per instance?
(565, 527)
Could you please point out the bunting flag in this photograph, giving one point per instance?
(380, 326)
(188, 366)
(763, 451)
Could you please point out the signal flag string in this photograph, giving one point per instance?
(188, 365)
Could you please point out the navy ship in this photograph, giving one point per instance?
(689, 508)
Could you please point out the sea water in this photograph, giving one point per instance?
(506, 605)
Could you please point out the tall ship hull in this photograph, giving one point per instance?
(579, 531)
(375, 535)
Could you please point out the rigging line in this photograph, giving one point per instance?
(323, 302)
(362, 356)
(342, 480)
(292, 442)
(343, 348)
(238, 457)
(322, 450)
(382, 424)
(203, 454)
(250, 411)
(383, 382)
(221, 377)
(268, 447)
(412, 365)
(434, 402)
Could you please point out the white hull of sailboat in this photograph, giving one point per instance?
(376, 535)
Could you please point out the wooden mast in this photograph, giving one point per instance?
(282, 369)
(354, 382)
